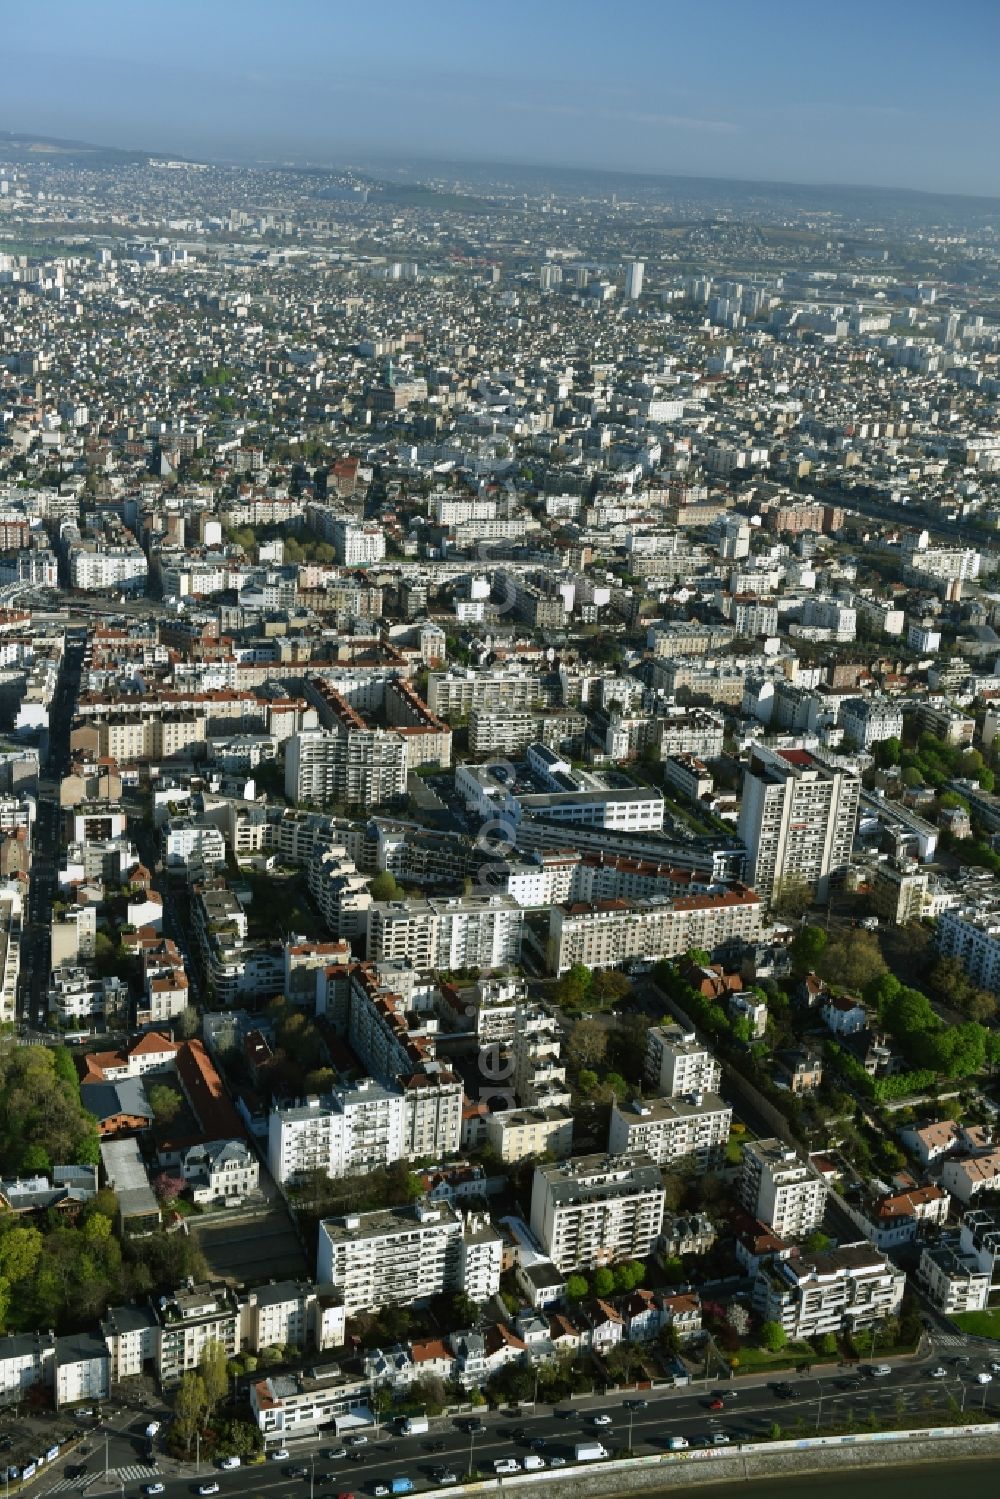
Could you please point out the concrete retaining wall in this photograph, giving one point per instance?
(752, 1460)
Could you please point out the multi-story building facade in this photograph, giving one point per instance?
(457, 932)
(399, 1256)
(676, 1063)
(363, 767)
(797, 819)
(781, 1189)
(612, 933)
(692, 1130)
(594, 1210)
(841, 1290)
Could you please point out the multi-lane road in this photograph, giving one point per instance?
(644, 1423)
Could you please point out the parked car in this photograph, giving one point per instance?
(228, 1463)
(358, 1440)
(532, 1462)
(557, 1462)
(505, 1465)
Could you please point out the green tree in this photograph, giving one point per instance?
(773, 1337)
(807, 949)
(574, 986)
(610, 986)
(384, 886)
(576, 1287)
(165, 1103)
(187, 1023)
(20, 1250)
(603, 1282)
(852, 961)
(190, 1408)
(792, 898)
(212, 1366)
(587, 1044)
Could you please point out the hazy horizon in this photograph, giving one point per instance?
(775, 92)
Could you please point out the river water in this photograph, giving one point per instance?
(928, 1480)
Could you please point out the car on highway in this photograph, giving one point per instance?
(716, 1404)
(995, 1367)
(208, 1488)
(333, 1454)
(358, 1440)
(784, 1391)
(538, 1443)
(380, 1490)
(153, 1488)
(635, 1405)
(939, 1372)
(601, 1419)
(983, 1378)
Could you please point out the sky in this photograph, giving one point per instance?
(893, 93)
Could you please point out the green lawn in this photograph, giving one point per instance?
(980, 1324)
(753, 1360)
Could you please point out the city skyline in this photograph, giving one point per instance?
(753, 95)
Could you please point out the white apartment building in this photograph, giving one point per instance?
(611, 933)
(11, 923)
(518, 1134)
(359, 766)
(951, 1280)
(677, 1063)
(353, 1130)
(198, 847)
(839, 1290)
(781, 1189)
(454, 694)
(797, 819)
(594, 1210)
(188, 1320)
(450, 932)
(694, 1130)
(867, 721)
(356, 544)
(971, 933)
(397, 1256)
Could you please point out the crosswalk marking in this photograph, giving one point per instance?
(133, 1473)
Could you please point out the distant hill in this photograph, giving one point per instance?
(17, 146)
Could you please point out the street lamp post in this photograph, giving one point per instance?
(472, 1443)
(631, 1417)
(819, 1403)
(197, 1453)
(312, 1473)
